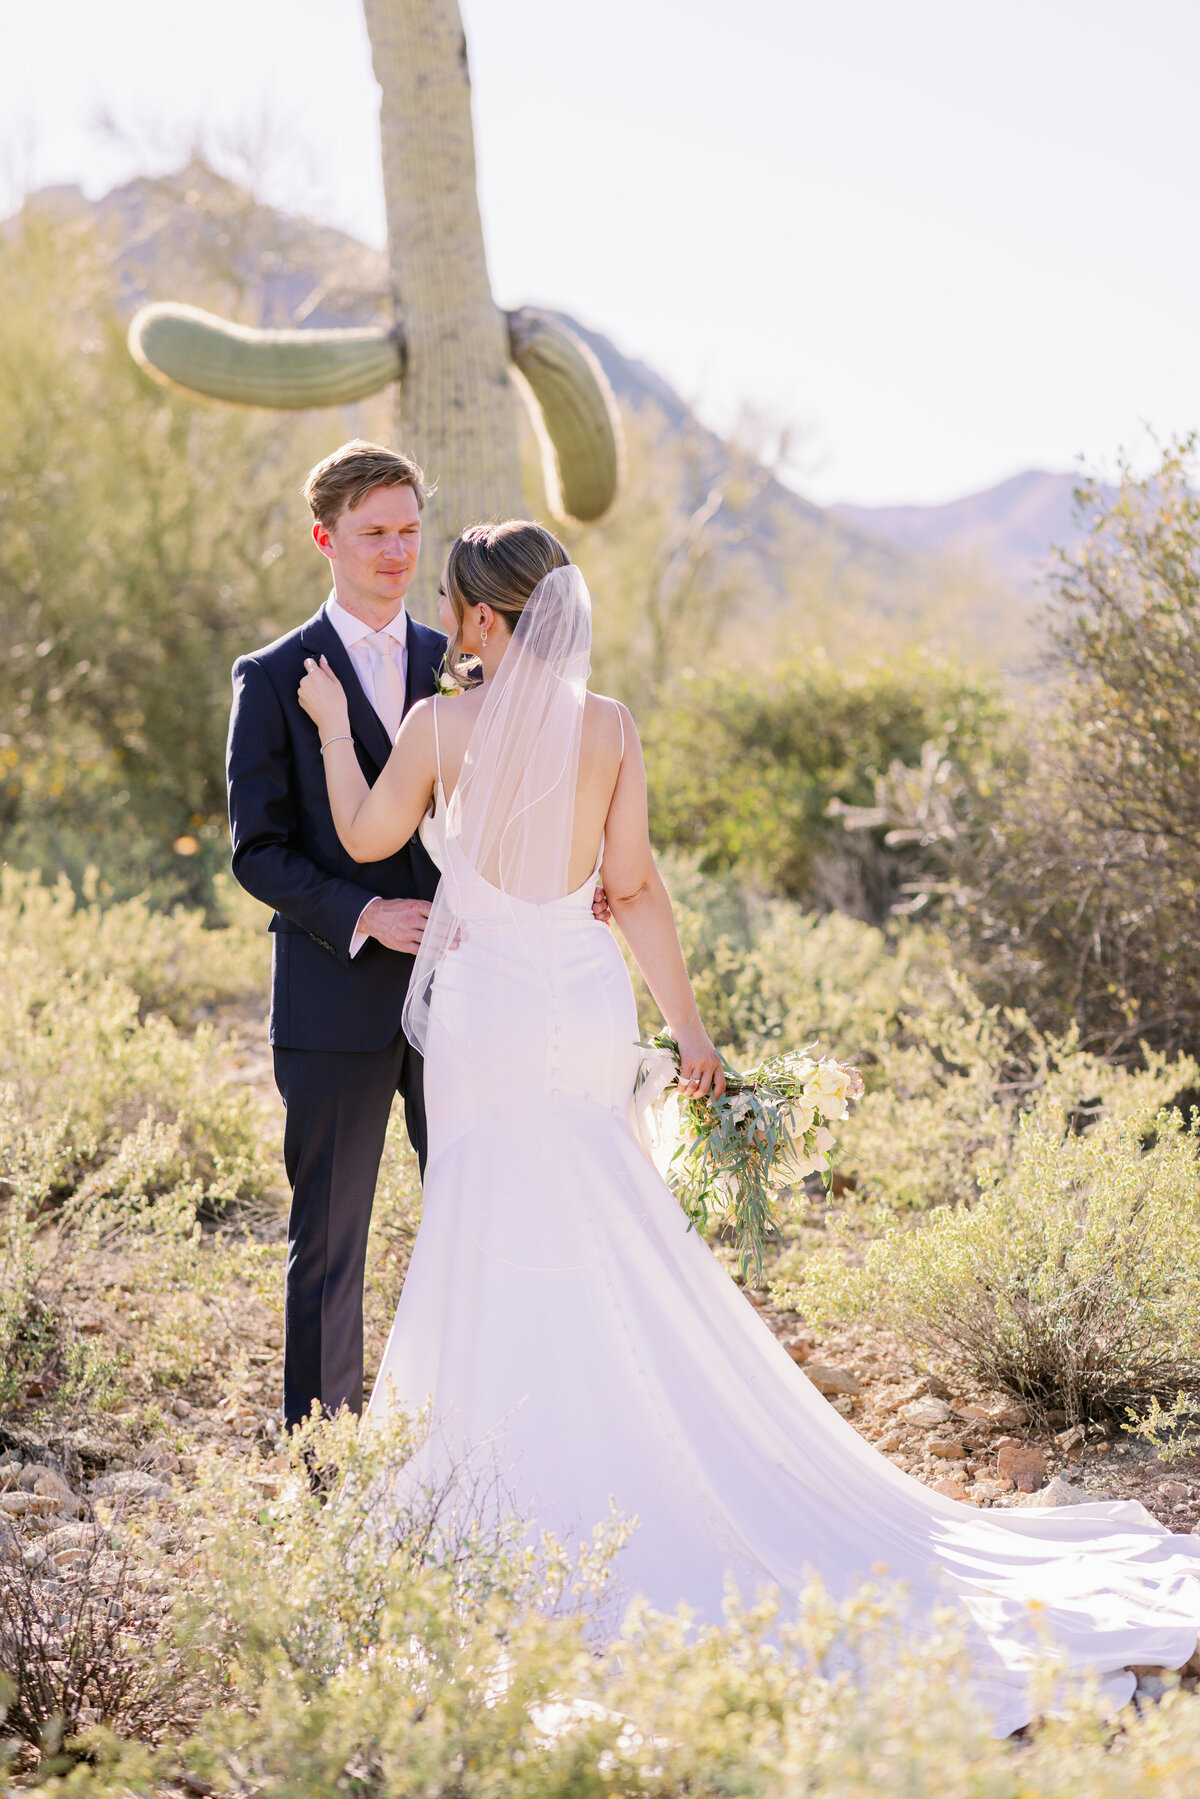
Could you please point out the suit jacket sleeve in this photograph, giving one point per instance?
(263, 820)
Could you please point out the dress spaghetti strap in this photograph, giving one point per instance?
(437, 743)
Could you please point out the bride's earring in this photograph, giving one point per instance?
(483, 636)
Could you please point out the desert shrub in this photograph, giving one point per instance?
(87, 1069)
(171, 959)
(184, 1304)
(1125, 629)
(136, 1212)
(84, 1657)
(1074, 1281)
(1075, 888)
(329, 1649)
(948, 1090)
(742, 767)
(30, 1327)
(948, 1076)
(144, 542)
(80, 1071)
(770, 975)
(398, 1633)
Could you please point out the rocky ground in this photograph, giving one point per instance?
(982, 1448)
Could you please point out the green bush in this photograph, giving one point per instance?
(1075, 886)
(171, 959)
(742, 766)
(328, 1649)
(85, 1064)
(948, 1090)
(770, 975)
(42, 1355)
(145, 541)
(1074, 1281)
(948, 1077)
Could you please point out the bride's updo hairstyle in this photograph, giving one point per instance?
(499, 564)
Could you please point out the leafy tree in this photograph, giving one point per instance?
(1087, 896)
(144, 542)
(1127, 631)
(1078, 888)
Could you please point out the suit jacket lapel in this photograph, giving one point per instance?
(419, 679)
(319, 636)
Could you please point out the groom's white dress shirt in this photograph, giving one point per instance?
(359, 640)
(356, 635)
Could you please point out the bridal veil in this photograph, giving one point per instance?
(509, 820)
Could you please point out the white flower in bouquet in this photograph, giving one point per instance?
(656, 1107)
(804, 1116)
(827, 1087)
(813, 1164)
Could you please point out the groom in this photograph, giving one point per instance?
(344, 933)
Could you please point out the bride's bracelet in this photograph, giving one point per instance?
(342, 737)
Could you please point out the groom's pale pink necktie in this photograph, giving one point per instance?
(389, 685)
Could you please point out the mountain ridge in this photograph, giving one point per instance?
(1013, 526)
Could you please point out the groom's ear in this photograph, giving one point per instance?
(323, 540)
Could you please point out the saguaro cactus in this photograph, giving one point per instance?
(450, 351)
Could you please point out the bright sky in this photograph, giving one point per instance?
(947, 239)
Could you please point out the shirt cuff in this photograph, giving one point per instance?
(360, 936)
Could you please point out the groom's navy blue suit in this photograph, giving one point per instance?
(340, 1055)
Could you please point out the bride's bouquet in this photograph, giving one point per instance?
(729, 1157)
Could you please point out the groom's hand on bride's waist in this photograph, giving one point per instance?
(397, 923)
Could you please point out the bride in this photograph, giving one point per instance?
(556, 1307)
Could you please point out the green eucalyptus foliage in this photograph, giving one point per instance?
(737, 1149)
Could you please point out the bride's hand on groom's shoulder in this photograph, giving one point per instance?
(323, 697)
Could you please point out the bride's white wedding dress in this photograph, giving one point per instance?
(558, 1309)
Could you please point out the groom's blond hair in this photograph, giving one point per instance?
(342, 480)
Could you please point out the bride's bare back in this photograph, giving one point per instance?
(606, 729)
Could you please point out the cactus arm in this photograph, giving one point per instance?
(582, 449)
(182, 346)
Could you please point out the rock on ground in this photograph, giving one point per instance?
(1061, 1492)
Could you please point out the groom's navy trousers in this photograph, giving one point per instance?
(340, 1055)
